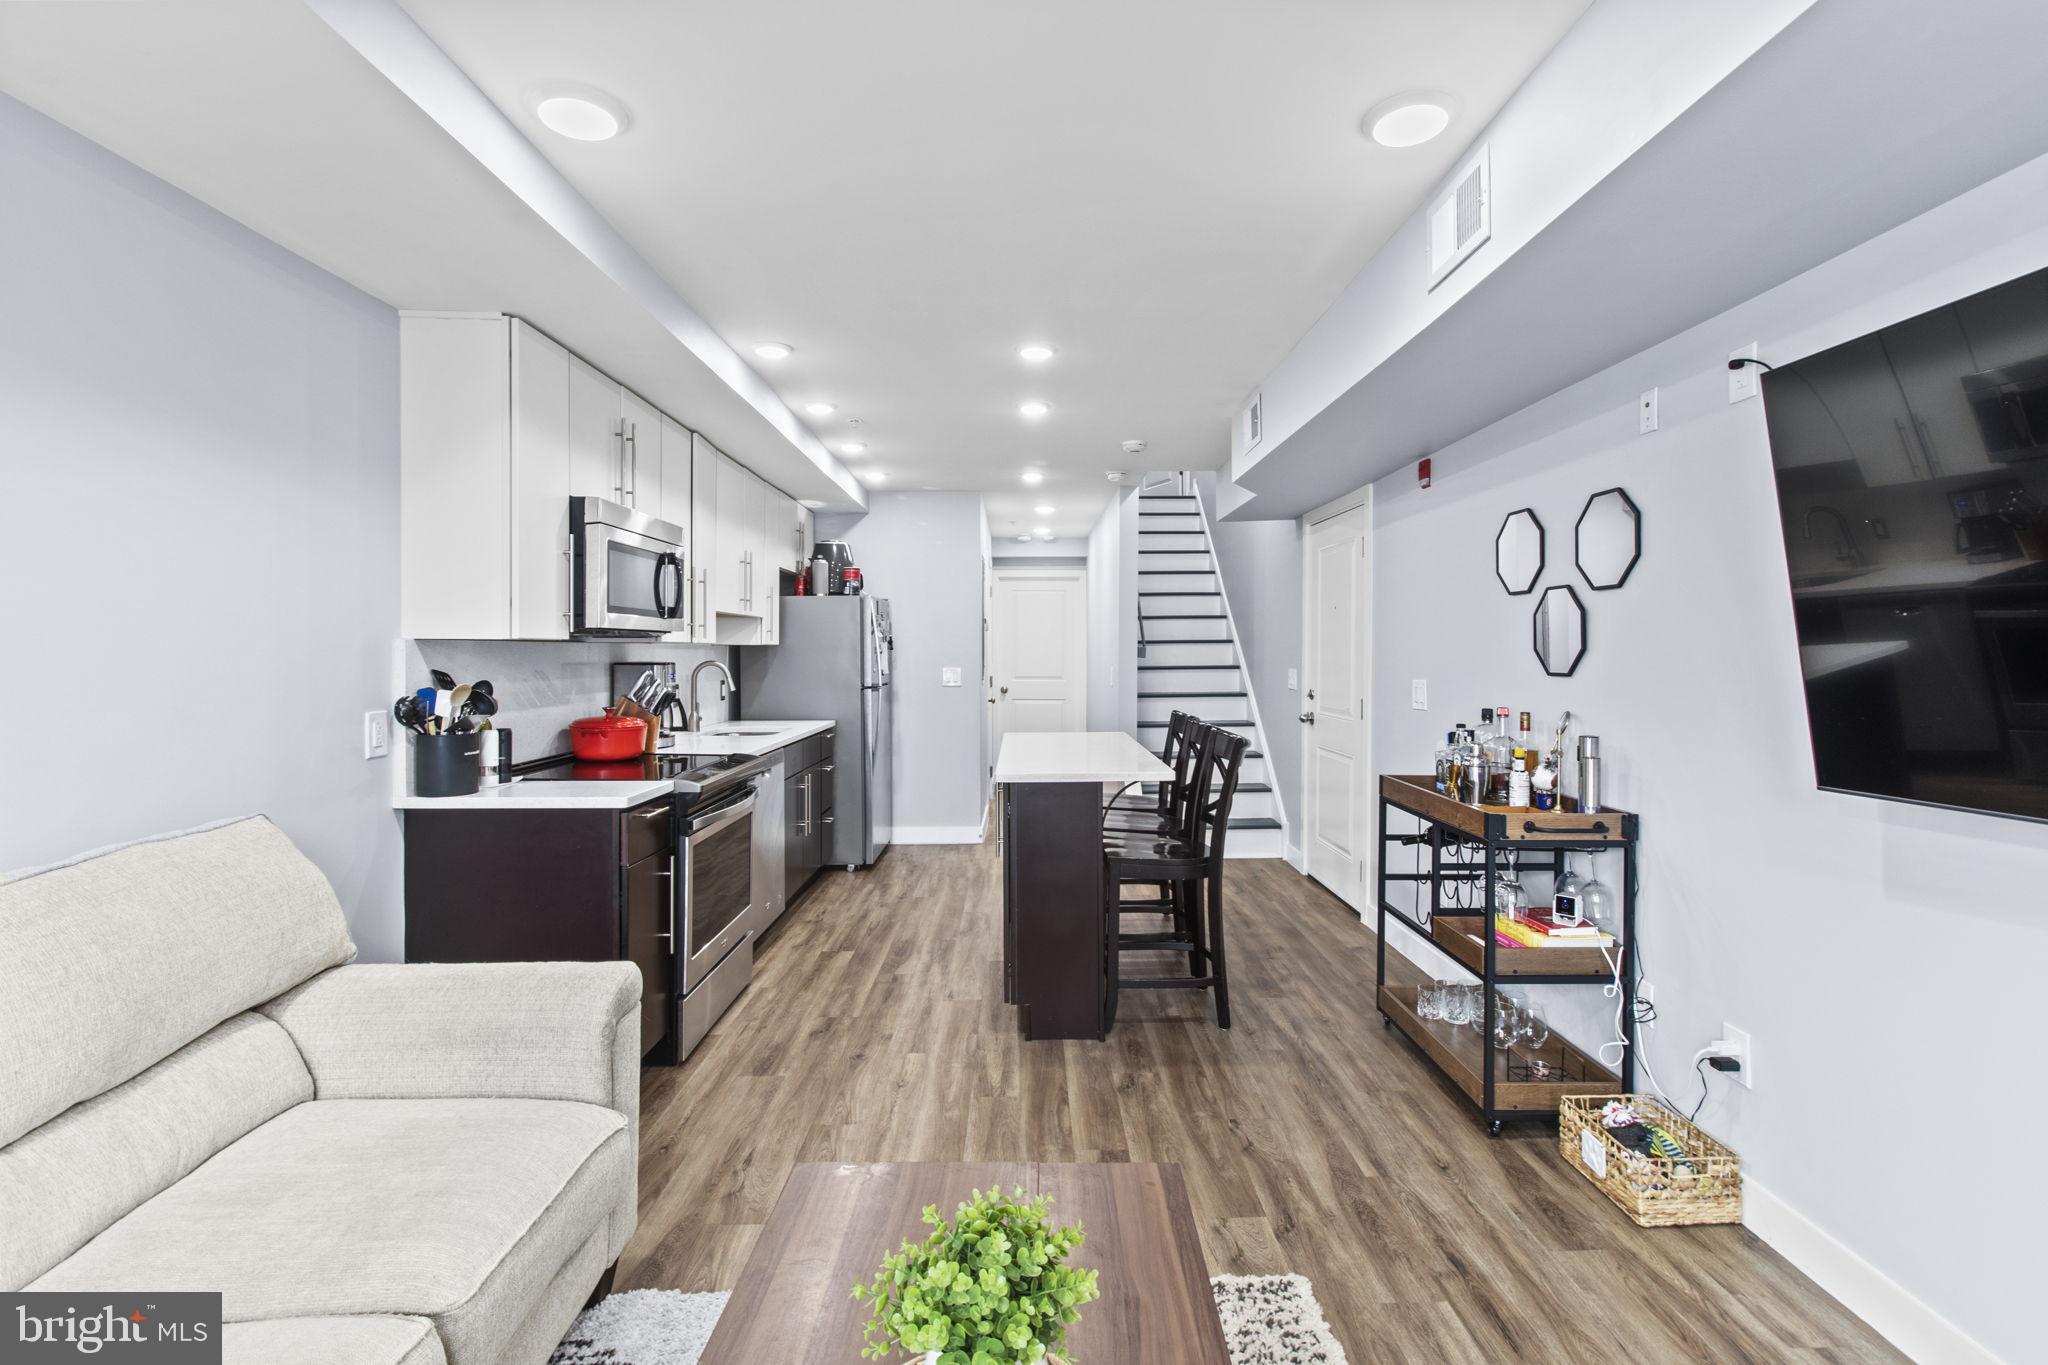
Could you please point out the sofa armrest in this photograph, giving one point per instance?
(512, 1030)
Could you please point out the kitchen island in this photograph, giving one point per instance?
(1050, 794)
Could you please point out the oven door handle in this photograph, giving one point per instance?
(711, 822)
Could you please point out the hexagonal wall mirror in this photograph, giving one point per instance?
(1518, 552)
(1608, 539)
(1560, 631)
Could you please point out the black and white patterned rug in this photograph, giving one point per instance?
(1267, 1320)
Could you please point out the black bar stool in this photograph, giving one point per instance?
(1193, 866)
(1167, 817)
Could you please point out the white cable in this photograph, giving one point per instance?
(1620, 1043)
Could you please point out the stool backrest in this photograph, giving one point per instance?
(1222, 761)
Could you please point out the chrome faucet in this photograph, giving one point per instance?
(725, 687)
(1848, 553)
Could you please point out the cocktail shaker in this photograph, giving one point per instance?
(1589, 773)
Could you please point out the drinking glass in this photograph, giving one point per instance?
(1535, 1028)
(1507, 1022)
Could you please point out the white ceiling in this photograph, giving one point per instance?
(1170, 191)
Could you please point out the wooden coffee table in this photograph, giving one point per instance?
(834, 1223)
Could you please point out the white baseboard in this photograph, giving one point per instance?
(1859, 1286)
(935, 834)
(1297, 860)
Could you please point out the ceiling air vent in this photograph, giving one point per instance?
(1461, 219)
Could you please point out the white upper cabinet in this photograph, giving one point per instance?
(500, 427)
(704, 537)
(596, 439)
(640, 433)
(540, 565)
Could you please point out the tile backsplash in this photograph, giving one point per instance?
(542, 685)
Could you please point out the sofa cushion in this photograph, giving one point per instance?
(73, 1176)
(111, 963)
(332, 1341)
(458, 1210)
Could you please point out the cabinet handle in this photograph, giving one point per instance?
(632, 442)
(670, 877)
(1906, 446)
(619, 484)
(1926, 445)
(828, 767)
(568, 589)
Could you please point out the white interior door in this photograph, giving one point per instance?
(1041, 650)
(1336, 773)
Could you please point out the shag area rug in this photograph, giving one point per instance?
(1267, 1320)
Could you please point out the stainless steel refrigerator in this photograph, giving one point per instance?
(833, 664)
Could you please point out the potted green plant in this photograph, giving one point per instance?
(988, 1288)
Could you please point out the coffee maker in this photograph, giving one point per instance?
(1986, 530)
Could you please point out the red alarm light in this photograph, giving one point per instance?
(1422, 472)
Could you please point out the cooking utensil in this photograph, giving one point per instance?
(607, 739)
(444, 681)
(406, 711)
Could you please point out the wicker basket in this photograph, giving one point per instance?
(1705, 1186)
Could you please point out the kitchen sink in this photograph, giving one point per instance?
(714, 734)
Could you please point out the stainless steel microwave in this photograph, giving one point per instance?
(628, 578)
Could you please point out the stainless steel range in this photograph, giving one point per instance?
(711, 884)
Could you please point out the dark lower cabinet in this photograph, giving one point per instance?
(549, 885)
(807, 812)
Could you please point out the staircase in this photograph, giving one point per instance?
(1188, 658)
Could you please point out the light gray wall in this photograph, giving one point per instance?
(1112, 560)
(923, 551)
(1260, 562)
(198, 525)
(1870, 948)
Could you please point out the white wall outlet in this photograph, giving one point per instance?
(1418, 693)
(1737, 1040)
(949, 677)
(1293, 680)
(1742, 382)
(1646, 412)
(376, 734)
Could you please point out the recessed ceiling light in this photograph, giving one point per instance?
(1025, 539)
(1044, 511)
(873, 475)
(1409, 120)
(1036, 353)
(853, 447)
(1032, 476)
(586, 116)
(820, 409)
(1034, 408)
(1041, 530)
(774, 350)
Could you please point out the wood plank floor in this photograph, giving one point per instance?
(1313, 1140)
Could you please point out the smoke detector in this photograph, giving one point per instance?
(1134, 447)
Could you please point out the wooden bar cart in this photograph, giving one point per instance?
(1519, 1081)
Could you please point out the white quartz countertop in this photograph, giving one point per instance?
(726, 737)
(1923, 576)
(1817, 661)
(1078, 756)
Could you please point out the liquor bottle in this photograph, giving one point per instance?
(1444, 755)
(1526, 742)
(1518, 779)
(1471, 777)
(1500, 756)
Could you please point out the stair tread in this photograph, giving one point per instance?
(1143, 532)
(1175, 573)
(1184, 616)
(1253, 821)
(1166, 497)
(1144, 696)
(1248, 753)
(1161, 725)
(1180, 594)
(1173, 552)
(1183, 668)
(1169, 514)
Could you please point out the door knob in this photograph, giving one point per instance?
(1307, 718)
(1006, 691)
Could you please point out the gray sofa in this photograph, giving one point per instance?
(374, 1165)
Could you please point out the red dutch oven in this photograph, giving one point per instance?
(607, 739)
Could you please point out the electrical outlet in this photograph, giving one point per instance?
(1646, 412)
(1418, 693)
(1737, 1040)
(1293, 682)
(376, 734)
(949, 677)
(1742, 382)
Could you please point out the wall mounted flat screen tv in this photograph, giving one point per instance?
(1912, 471)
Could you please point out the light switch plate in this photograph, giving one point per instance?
(949, 677)
(1646, 412)
(376, 734)
(1418, 694)
(1293, 682)
(1738, 1043)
